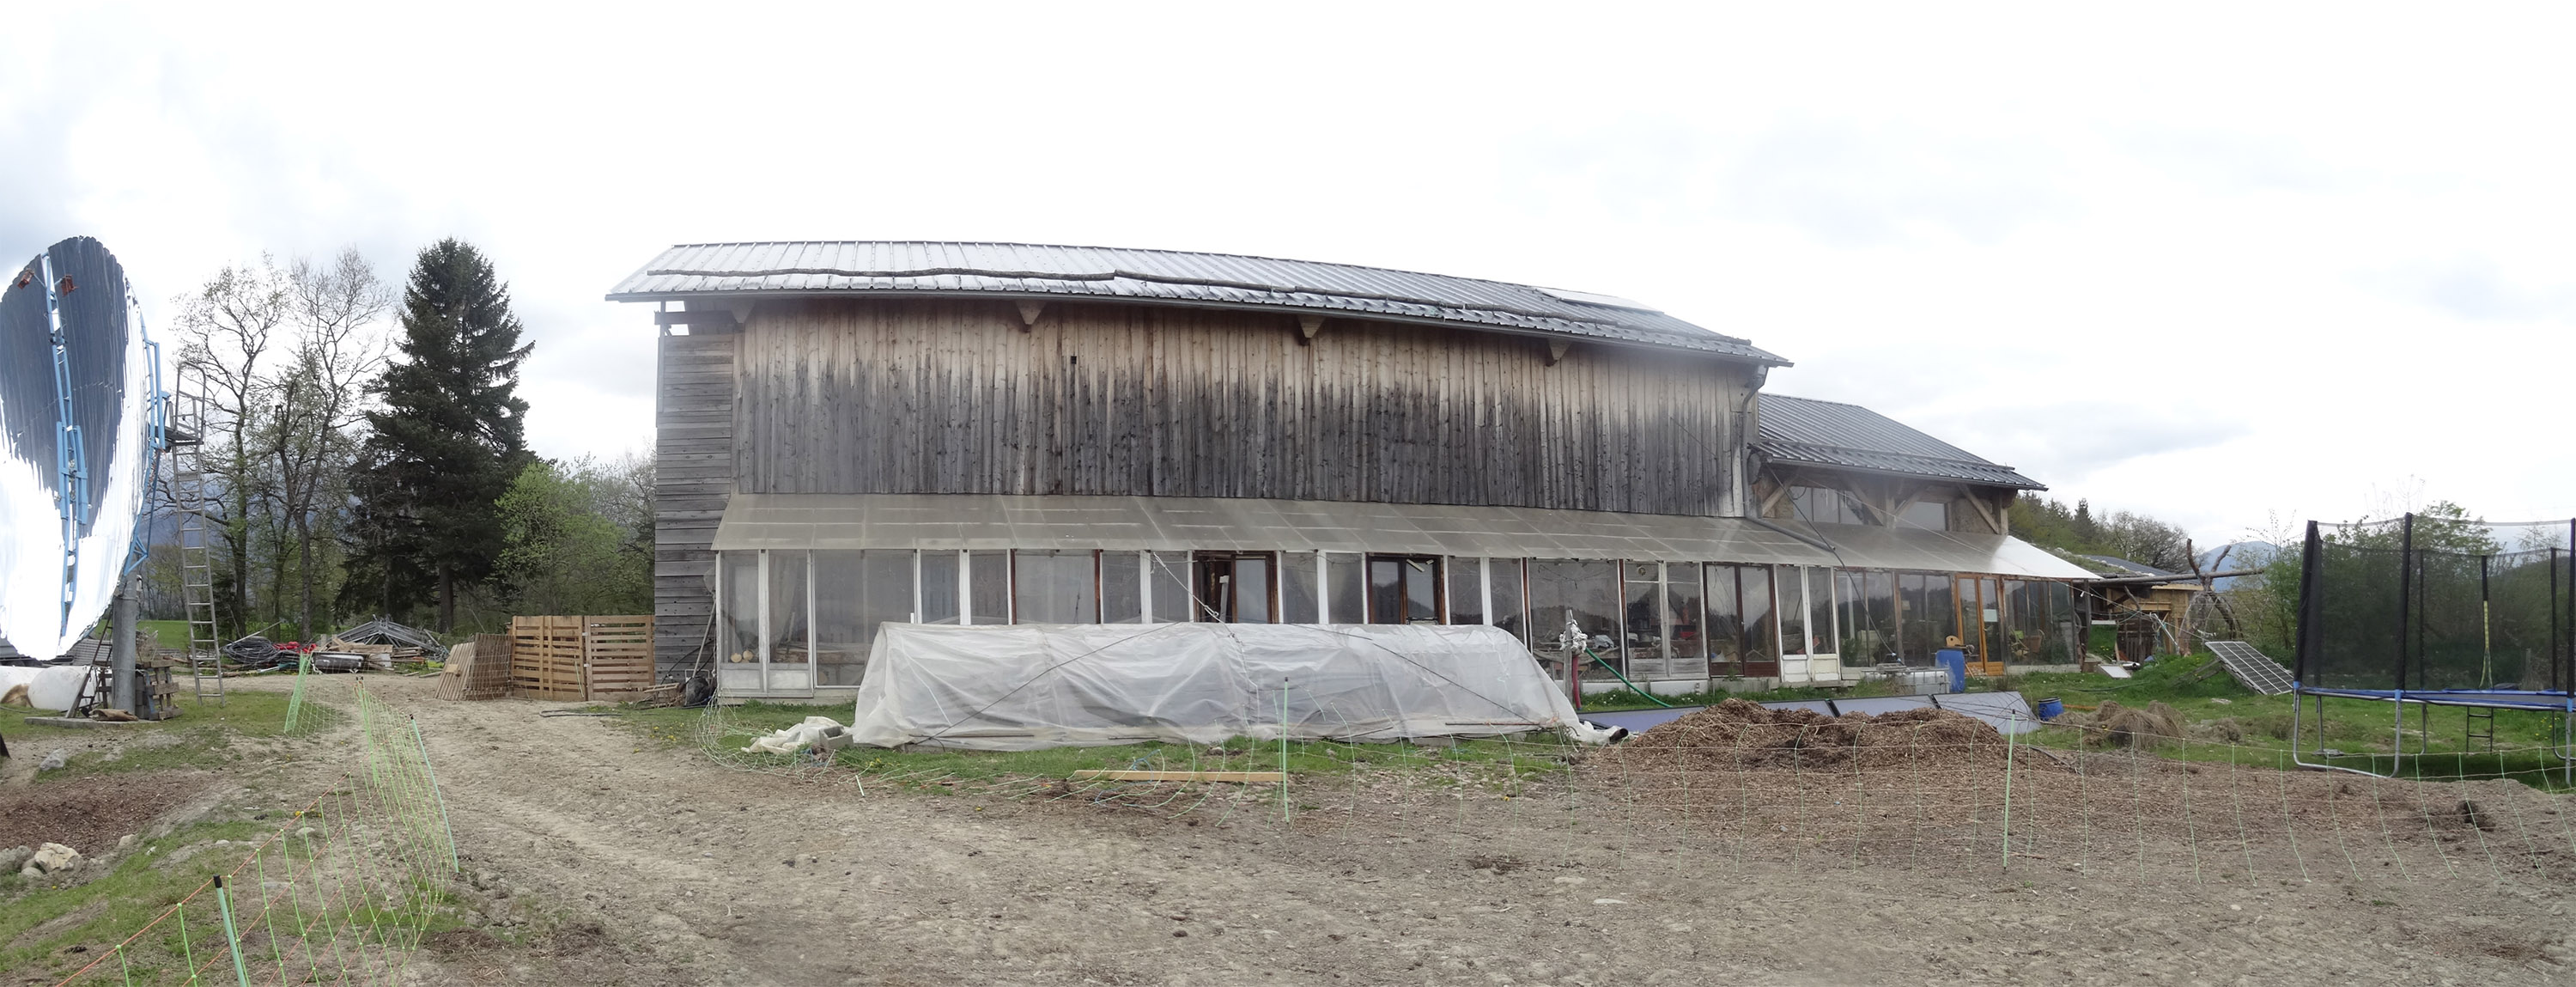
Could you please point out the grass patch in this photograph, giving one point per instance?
(1493, 761)
(208, 734)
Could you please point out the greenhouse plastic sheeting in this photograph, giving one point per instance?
(1032, 686)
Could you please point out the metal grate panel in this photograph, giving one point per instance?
(2252, 668)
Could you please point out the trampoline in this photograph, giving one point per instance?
(2437, 610)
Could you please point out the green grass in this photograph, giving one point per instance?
(1485, 761)
(99, 913)
(173, 634)
(210, 735)
(2256, 729)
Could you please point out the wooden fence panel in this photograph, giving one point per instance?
(617, 655)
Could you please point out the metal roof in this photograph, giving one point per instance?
(996, 521)
(1850, 437)
(1020, 270)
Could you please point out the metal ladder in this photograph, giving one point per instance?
(2470, 727)
(196, 564)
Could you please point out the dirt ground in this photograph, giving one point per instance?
(597, 859)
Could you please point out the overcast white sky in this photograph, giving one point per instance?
(2203, 262)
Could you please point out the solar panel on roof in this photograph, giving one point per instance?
(2252, 668)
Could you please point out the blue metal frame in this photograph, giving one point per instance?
(156, 435)
(69, 462)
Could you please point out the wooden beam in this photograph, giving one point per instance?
(725, 318)
(1245, 777)
(1985, 510)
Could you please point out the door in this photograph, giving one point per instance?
(1404, 589)
(1980, 623)
(1235, 587)
(1809, 653)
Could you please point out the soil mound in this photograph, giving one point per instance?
(1738, 734)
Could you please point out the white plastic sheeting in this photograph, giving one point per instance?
(1032, 686)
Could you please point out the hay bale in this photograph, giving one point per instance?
(2115, 725)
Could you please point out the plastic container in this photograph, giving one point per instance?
(2049, 708)
(1956, 661)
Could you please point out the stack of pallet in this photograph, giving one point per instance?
(581, 658)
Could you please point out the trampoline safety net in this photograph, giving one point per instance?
(2429, 603)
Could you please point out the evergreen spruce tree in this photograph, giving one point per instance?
(447, 442)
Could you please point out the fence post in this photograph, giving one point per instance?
(2012, 727)
(232, 937)
(453, 862)
(1283, 750)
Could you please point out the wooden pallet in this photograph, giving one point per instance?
(580, 658)
(617, 656)
(545, 658)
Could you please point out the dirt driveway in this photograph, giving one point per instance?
(611, 861)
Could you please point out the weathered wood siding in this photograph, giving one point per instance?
(693, 464)
(954, 396)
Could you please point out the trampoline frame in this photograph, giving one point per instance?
(2562, 701)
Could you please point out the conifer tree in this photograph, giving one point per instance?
(448, 440)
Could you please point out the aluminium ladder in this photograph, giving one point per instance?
(196, 564)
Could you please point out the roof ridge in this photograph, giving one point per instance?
(1167, 250)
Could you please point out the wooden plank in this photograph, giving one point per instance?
(1245, 777)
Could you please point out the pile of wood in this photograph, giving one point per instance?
(581, 658)
(478, 669)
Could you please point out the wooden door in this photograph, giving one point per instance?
(1980, 600)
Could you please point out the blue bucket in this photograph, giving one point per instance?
(2049, 708)
(1956, 662)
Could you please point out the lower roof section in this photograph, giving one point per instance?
(996, 521)
(1871, 547)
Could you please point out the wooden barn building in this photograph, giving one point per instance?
(851, 433)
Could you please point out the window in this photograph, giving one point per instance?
(1404, 589)
(1345, 589)
(853, 593)
(939, 586)
(988, 587)
(1820, 612)
(1725, 622)
(1642, 583)
(1793, 610)
(1466, 591)
(1169, 579)
(1510, 610)
(1234, 587)
(1055, 588)
(1928, 515)
(1579, 594)
(741, 578)
(1689, 655)
(1824, 505)
(1868, 617)
(1297, 588)
(1122, 587)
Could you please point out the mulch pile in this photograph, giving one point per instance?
(1737, 734)
(88, 814)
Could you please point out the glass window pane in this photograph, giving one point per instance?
(938, 586)
(1422, 591)
(1583, 594)
(1054, 588)
(1793, 610)
(1929, 515)
(988, 587)
(1820, 612)
(1682, 605)
(1725, 623)
(1915, 639)
(853, 593)
(1643, 587)
(1252, 590)
(741, 607)
(1761, 639)
(1939, 609)
(1345, 589)
(1466, 591)
(1297, 587)
(787, 617)
(1121, 595)
(1170, 576)
(1510, 611)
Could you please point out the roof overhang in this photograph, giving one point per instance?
(997, 521)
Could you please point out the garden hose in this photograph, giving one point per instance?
(1614, 673)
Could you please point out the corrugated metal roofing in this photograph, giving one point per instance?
(1848, 436)
(1161, 277)
(996, 521)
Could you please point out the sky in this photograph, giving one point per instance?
(2230, 266)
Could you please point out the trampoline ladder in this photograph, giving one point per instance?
(2478, 724)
